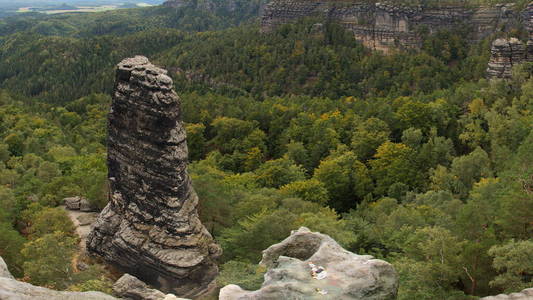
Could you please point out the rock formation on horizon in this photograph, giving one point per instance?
(508, 53)
(150, 228)
(345, 275)
(505, 54)
(386, 25)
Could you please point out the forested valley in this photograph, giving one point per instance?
(413, 157)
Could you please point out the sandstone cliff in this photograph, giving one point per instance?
(505, 54)
(310, 265)
(150, 228)
(385, 26)
(508, 53)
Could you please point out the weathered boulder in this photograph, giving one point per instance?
(132, 288)
(85, 205)
(129, 287)
(311, 265)
(11, 289)
(526, 294)
(72, 203)
(150, 228)
(78, 203)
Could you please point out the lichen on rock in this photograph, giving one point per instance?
(291, 274)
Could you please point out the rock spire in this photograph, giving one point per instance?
(150, 228)
(505, 54)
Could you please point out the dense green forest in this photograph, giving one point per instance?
(411, 157)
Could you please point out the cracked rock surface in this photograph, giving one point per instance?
(291, 273)
(150, 228)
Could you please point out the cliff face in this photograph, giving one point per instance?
(150, 228)
(508, 53)
(505, 54)
(383, 26)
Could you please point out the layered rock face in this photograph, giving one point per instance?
(505, 54)
(150, 228)
(508, 53)
(311, 265)
(385, 26)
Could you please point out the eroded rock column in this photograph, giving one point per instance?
(505, 54)
(150, 228)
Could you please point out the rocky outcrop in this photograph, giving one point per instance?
(388, 25)
(150, 228)
(129, 287)
(311, 265)
(505, 54)
(508, 53)
(11, 289)
(78, 203)
(526, 294)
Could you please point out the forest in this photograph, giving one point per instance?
(412, 157)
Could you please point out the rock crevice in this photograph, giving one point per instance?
(150, 228)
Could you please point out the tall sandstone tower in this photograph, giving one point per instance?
(150, 228)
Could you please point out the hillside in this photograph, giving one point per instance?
(412, 155)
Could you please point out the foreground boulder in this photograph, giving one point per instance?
(150, 228)
(11, 289)
(311, 265)
(526, 294)
(129, 287)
